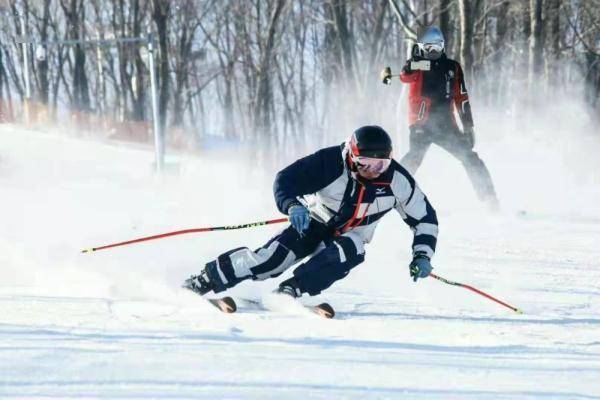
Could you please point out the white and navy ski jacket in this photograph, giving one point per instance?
(345, 202)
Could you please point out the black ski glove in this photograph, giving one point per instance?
(415, 51)
(420, 266)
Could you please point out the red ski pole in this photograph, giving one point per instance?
(184, 231)
(471, 288)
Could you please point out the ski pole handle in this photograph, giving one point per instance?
(185, 231)
(471, 288)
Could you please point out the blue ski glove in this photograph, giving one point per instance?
(299, 217)
(420, 266)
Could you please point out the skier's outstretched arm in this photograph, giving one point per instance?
(306, 176)
(417, 212)
(407, 75)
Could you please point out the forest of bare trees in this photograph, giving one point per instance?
(280, 72)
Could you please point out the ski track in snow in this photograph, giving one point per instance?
(114, 324)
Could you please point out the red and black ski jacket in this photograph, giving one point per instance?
(433, 94)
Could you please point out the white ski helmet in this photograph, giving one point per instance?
(431, 43)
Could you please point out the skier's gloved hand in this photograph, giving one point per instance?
(299, 217)
(407, 69)
(469, 136)
(420, 266)
(386, 76)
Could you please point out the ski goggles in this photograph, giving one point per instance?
(433, 47)
(375, 165)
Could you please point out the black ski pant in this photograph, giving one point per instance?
(451, 139)
(331, 259)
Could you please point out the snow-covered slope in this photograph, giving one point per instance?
(115, 323)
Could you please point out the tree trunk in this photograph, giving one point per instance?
(42, 64)
(376, 39)
(184, 47)
(343, 35)
(161, 16)
(139, 98)
(3, 116)
(592, 84)
(228, 101)
(333, 64)
(75, 15)
(188, 26)
(536, 44)
(479, 36)
(444, 18)
(264, 97)
(466, 34)
(553, 34)
(501, 29)
(498, 91)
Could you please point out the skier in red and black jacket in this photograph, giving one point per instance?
(437, 87)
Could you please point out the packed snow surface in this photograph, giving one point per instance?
(116, 324)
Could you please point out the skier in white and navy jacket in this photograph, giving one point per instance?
(335, 199)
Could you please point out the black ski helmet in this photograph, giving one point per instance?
(371, 141)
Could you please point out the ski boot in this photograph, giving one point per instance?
(290, 288)
(199, 283)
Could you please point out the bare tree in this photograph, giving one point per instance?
(466, 33)
(42, 68)
(74, 11)
(220, 35)
(553, 36)
(263, 99)
(584, 20)
(501, 51)
(160, 14)
(277, 70)
(444, 16)
(535, 41)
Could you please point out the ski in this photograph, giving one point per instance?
(224, 304)
(228, 305)
(324, 310)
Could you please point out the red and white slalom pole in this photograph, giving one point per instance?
(471, 288)
(185, 231)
